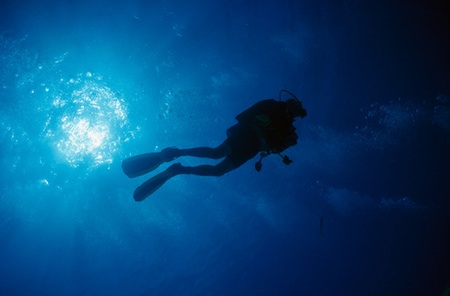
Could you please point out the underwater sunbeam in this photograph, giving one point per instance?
(85, 123)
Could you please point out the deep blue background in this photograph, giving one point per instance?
(372, 160)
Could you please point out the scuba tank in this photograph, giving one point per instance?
(285, 159)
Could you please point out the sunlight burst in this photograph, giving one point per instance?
(88, 123)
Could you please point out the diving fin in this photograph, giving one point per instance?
(142, 164)
(154, 183)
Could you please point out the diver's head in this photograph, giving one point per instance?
(295, 108)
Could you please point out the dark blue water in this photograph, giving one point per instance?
(362, 210)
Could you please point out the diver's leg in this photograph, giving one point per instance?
(203, 170)
(151, 185)
(141, 164)
(207, 152)
(215, 171)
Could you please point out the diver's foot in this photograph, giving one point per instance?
(170, 153)
(176, 169)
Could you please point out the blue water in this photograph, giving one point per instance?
(362, 210)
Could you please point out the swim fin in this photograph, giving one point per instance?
(138, 165)
(154, 183)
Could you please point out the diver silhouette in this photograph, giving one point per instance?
(266, 127)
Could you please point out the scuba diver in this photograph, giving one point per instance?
(265, 128)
